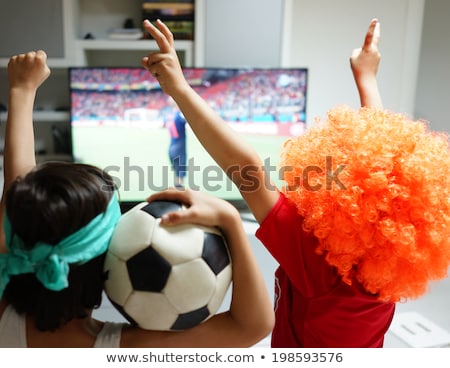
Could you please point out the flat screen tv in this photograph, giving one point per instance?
(120, 121)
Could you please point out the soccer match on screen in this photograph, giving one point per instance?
(266, 106)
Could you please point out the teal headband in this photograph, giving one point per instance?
(50, 263)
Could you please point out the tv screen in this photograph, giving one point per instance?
(122, 122)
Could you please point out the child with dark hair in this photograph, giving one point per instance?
(351, 239)
(58, 220)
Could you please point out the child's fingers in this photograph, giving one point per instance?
(166, 32)
(42, 55)
(187, 216)
(373, 35)
(171, 194)
(159, 35)
(376, 34)
(355, 53)
(149, 62)
(144, 62)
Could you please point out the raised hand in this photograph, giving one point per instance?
(28, 70)
(164, 65)
(364, 62)
(201, 208)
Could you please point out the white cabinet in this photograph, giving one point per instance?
(60, 28)
(96, 17)
(105, 52)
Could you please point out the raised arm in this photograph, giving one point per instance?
(232, 153)
(26, 72)
(364, 63)
(250, 316)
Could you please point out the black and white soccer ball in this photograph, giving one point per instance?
(165, 278)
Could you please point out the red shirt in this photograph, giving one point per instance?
(313, 307)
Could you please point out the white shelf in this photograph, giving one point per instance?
(44, 116)
(82, 46)
(51, 116)
(106, 44)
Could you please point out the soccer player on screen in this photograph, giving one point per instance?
(176, 126)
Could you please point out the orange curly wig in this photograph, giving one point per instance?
(382, 211)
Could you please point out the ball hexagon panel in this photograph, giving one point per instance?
(117, 285)
(151, 310)
(178, 244)
(125, 243)
(190, 285)
(223, 281)
(121, 310)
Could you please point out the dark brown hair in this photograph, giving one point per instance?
(48, 204)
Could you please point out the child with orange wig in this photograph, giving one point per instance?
(363, 220)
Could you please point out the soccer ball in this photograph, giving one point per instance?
(165, 278)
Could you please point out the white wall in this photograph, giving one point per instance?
(433, 84)
(238, 33)
(321, 34)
